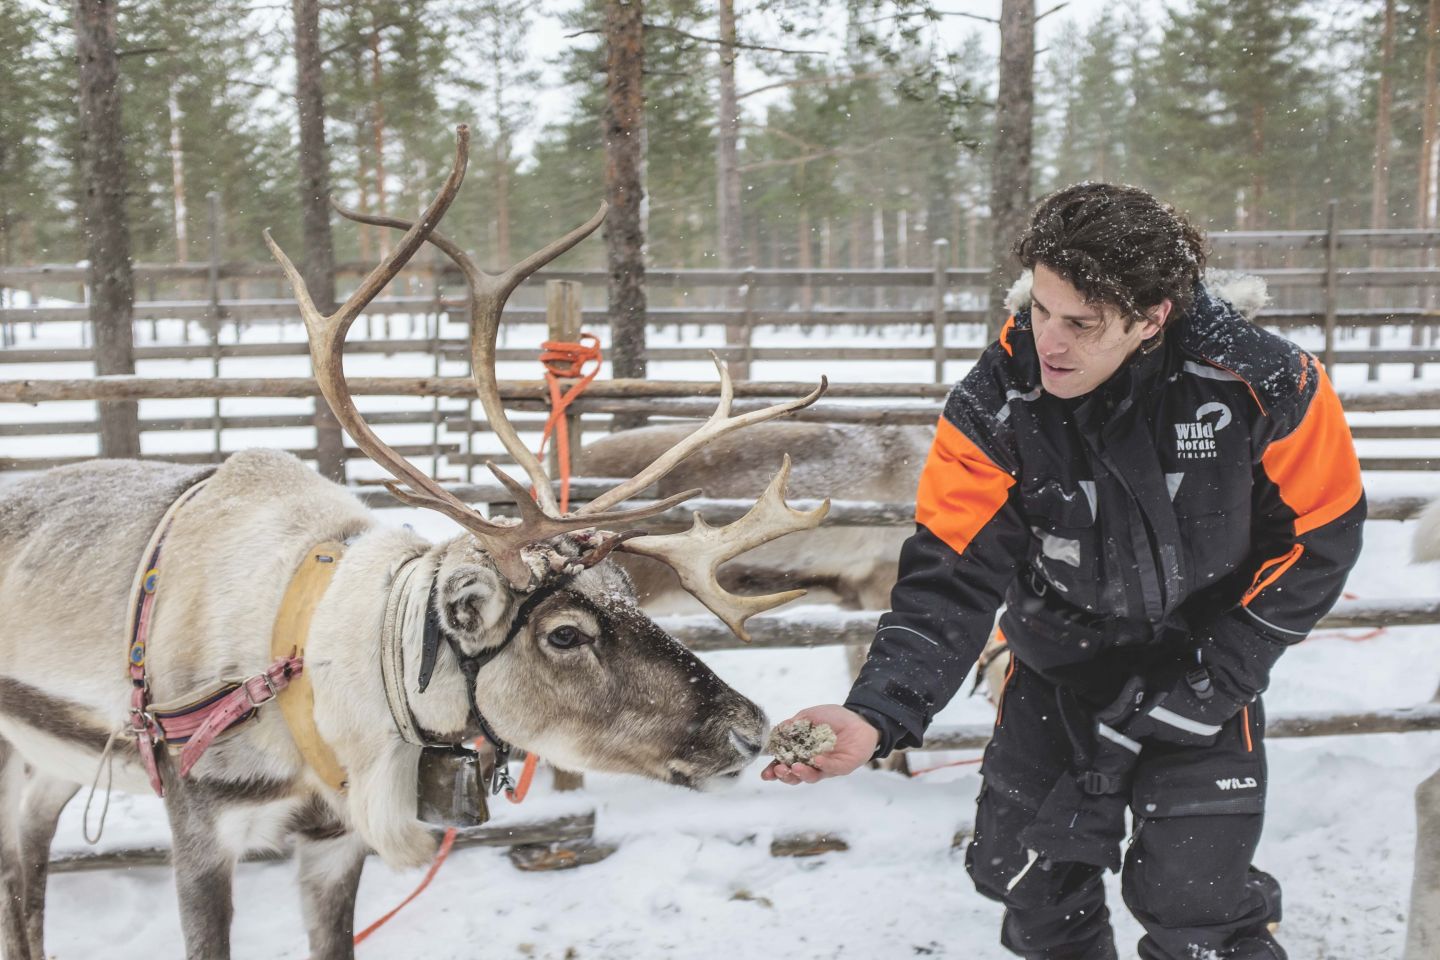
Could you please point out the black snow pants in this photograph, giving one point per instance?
(1187, 874)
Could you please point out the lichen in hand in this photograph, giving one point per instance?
(800, 742)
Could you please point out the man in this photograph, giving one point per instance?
(1164, 497)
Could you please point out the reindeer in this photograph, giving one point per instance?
(525, 632)
(1422, 937)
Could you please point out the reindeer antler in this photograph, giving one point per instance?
(503, 541)
(719, 424)
(695, 556)
(697, 553)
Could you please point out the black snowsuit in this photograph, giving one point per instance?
(1200, 510)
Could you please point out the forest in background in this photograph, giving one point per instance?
(1248, 114)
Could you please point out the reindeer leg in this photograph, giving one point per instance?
(204, 869)
(1422, 938)
(329, 878)
(44, 798)
(14, 944)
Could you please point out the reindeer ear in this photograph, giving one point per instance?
(472, 600)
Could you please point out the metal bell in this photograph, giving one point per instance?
(450, 790)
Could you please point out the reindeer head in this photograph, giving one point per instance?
(587, 680)
(571, 668)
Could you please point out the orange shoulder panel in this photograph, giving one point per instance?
(960, 488)
(1315, 467)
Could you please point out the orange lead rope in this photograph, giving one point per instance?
(527, 773)
(566, 361)
(440, 856)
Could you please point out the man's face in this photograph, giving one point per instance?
(1081, 344)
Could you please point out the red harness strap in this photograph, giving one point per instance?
(192, 726)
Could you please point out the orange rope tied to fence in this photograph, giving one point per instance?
(566, 361)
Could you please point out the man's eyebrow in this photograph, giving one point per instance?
(1067, 316)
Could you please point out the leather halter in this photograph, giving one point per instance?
(470, 666)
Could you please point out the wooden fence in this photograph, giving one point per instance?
(455, 428)
(1336, 296)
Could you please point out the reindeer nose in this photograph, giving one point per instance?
(747, 748)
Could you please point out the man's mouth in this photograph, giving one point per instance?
(1051, 370)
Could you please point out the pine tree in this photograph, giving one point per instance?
(1232, 106)
(35, 100)
(1092, 102)
(565, 182)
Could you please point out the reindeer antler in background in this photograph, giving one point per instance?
(694, 555)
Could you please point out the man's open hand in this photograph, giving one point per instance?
(855, 742)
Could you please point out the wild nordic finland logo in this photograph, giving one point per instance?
(1237, 783)
(1196, 441)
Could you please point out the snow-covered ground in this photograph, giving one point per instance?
(693, 876)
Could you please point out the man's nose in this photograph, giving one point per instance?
(1050, 343)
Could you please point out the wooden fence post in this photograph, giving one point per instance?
(747, 326)
(738, 334)
(438, 352)
(941, 258)
(562, 325)
(1332, 240)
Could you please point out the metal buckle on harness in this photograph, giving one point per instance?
(269, 684)
(143, 723)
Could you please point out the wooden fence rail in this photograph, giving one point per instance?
(684, 399)
(975, 736)
(129, 387)
(458, 350)
(566, 829)
(825, 626)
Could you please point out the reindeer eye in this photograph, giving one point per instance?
(564, 638)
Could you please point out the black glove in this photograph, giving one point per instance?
(1082, 820)
(1188, 711)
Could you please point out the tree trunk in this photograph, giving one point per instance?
(318, 265)
(804, 255)
(102, 158)
(1257, 217)
(1010, 163)
(362, 161)
(727, 179)
(625, 187)
(1426, 191)
(177, 176)
(377, 106)
(1380, 194)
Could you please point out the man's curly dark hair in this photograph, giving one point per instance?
(1118, 246)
